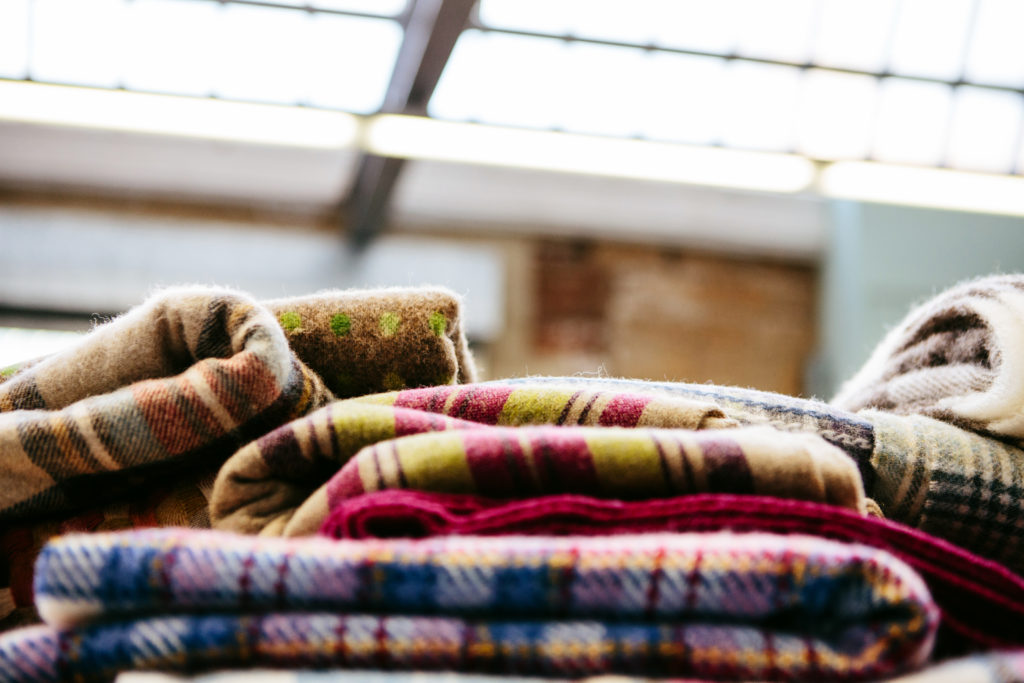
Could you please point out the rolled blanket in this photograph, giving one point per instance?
(505, 462)
(982, 602)
(157, 399)
(362, 341)
(720, 605)
(265, 486)
(958, 358)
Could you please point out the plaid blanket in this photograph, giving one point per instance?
(953, 483)
(982, 603)
(958, 357)
(839, 427)
(283, 483)
(993, 667)
(276, 484)
(128, 426)
(719, 605)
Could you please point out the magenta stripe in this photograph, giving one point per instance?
(482, 403)
(624, 410)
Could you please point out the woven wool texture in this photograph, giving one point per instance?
(841, 428)
(982, 602)
(722, 605)
(953, 483)
(994, 667)
(276, 485)
(958, 357)
(126, 427)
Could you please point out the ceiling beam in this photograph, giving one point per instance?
(431, 29)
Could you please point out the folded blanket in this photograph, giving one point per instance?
(839, 427)
(721, 605)
(982, 603)
(158, 398)
(993, 667)
(958, 357)
(951, 483)
(264, 488)
(606, 462)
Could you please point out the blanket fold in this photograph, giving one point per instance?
(958, 357)
(155, 400)
(276, 484)
(729, 606)
(982, 602)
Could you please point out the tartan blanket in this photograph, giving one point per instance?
(733, 606)
(287, 481)
(958, 357)
(841, 428)
(993, 667)
(129, 425)
(953, 483)
(982, 602)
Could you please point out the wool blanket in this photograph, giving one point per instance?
(283, 483)
(839, 427)
(276, 485)
(958, 357)
(982, 602)
(992, 667)
(953, 483)
(126, 426)
(719, 605)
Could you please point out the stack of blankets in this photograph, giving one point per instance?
(217, 487)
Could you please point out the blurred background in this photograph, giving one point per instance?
(731, 191)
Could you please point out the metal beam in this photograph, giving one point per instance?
(431, 29)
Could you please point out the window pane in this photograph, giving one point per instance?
(79, 42)
(854, 35)
(912, 120)
(349, 61)
(687, 107)
(502, 79)
(760, 106)
(997, 50)
(14, 38)
(930, 38)
(173, 45)
(780, 29)
(986, 124)
(835, 116)
(604, 90)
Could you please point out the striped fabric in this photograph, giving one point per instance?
(982, 602)
(127, 426)
(720, 605)
(839, 427)
(506, 462)
(958, 358)
(275, 484)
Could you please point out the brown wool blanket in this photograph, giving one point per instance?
(128, 426)
(568, 439)
(958, 358)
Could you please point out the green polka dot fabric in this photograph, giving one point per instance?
(364, 341)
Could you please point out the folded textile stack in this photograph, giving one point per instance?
(283, 483)
(129, 426)
(982, 602)
(725, 606)
(565, 527)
